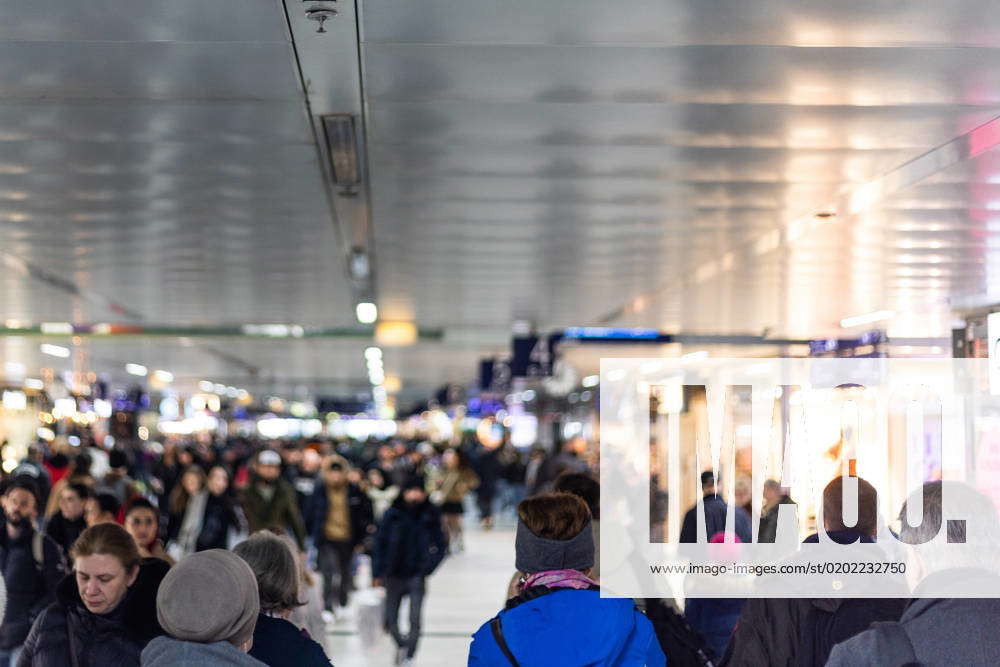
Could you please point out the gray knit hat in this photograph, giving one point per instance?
(537, 554)
(209, 596)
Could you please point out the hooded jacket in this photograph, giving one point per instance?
(68, 634)
(170, 652)
(570, 627)
(29, 590)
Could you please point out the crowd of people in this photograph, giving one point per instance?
(90, 536)
(243, 554)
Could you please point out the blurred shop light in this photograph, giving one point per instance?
(396, 333)
(616, 375)
(57, 328)
(15, 400)
(170, 408)
(64, 407)
(651, 367)
(102, 408)
(54, 350)
(367, 312)
(591, 381)
(392, 384)
(695, 356)
(373, 353)
(10, 464)
(143, 433)
(164, 376)
(46, 433)
(136, 369)
(205, 386)
(14, 370)
(232, 392)
(867, 318)
(34, 383)
(219, 389)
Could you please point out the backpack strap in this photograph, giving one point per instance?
(497, 628)
(893, 643)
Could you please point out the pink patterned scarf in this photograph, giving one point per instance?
(558, 579)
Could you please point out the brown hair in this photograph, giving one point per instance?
(110, 539)
(833, 507)
(179, 496)
(554, 516)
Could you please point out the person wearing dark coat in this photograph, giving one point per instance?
(67, 524)
(341, 518)
(105, 612)
(222, 513)
(270, 502)
(715, 515)
(409, 545)
(276, 641)
(936, 630)
(803, 630)
(774, 498)
(31, 564)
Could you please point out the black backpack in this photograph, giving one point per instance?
(682, 644)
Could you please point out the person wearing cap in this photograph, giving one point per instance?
(105, 611)
(31, 564)
(559, 616)
(208, 606)
(409, 545)
(342, 518)
(270, 501)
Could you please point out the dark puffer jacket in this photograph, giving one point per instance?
(409, 541)
(29, 589)
(66, 634)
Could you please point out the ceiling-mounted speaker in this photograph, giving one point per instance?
(340, 132)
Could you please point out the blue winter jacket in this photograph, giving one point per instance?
(570, 627)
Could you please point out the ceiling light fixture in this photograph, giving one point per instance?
(340, 133)
(867, 318)
(54, 350)
(367, 312)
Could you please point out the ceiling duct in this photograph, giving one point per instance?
(340, 132)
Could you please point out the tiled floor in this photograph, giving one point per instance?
(467, 590)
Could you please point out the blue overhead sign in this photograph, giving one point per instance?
(610, 333)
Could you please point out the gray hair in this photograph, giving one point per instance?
(274, 565)
(964, 502)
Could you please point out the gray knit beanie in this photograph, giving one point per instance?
(209, 596)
